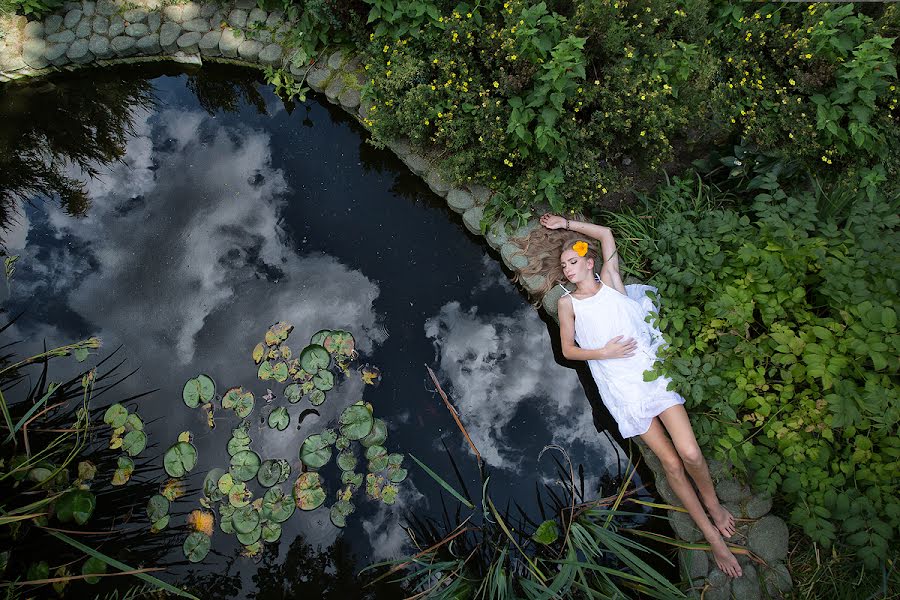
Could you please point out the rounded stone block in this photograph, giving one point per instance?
(190, 11)
(417, 163)
(33, 53)
(229, 43)
(684, 526)
(34, 29)
(274, 20)
(188, 42)
(532, 283)
(149, 44)
(65, 36)
(768, 539)
(550, 300)
(52, 24)
(316, 78)
(666, 492)
(334, 88)
(237, 18)
(746, 587)
(137, 30)
(438, 184)
(79, 52)
(257, 17)
(116, 26)
(72, 17)
(173, 12)
(154, 20)
(99, 47)
(365, 109)
(88, 8)
(168, 33)
(731, 490)
(480, 193)
(123, 45)
(694, 563)
(719, 586)
(459, 200)
(106, 8)
(496, 235)
(55, 51)
(245, 4)
(100, 25)
(249, 49)
(84, 28)
(270, 55)
(777, 580)
(510, 253)
(207, 10)
(209, 43)
(135, 15)
(758, 505)
(472, 219)
(197, 25)
(335, 60)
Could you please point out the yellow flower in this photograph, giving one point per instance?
(792, 82)
(580, 248)
(643, 133)
(468, 15)
(496, 85)
(513, 57)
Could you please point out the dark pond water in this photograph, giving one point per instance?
(215, 210)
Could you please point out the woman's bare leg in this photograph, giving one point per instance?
(656, 439)
(678, 425)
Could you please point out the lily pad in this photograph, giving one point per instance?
(286, 351)
(231, 397)
(251, 537)
(265, 370)
(377, 436)
(240, 432)
(378, 458)
(317, 397)
(396, 474)
(196, 546)
(75, 505)
(226, 512)
(92, 567)
(370, 375)
(374, 484)
(339, 342)
(258, 351)
(313, 358)
(211, 485)
(207, 387)
(547, 533)
(186, 436)
(318, 337)
(160, 524)
(285, 470)
(278, 333)
(389, 494)
(245, 519)
(252, 550)
(225, 482)
(324, 380)
(134, 442)
(279, 419)
(269, 472)
(352, 479)
(342, 443)
(329, 436)
(277, 506)
(346, 460)
(115, 416)
(124, 470)
(308, 492)
(280, 372)
(244, 405)
(315, 452)
(356, 421)
(191, 393)
(395, 459)
(293, 393)
(238, 495)
(236, 445)
(339, 512)
(271, 532)
(172, 489)
(157, 507)
(244, 465)
(179, 459)
(134, 422)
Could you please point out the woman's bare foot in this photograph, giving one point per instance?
(723, 520)
(725, 560)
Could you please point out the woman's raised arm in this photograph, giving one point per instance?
(609, 270)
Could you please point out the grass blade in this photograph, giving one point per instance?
(442, 483)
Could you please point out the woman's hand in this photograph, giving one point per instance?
(619, 348)
(552, 221)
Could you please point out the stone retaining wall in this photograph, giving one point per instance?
(107, 32)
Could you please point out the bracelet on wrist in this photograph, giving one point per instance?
(567, 225)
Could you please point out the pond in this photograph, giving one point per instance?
(185, 213)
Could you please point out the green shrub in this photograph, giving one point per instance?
(782, 332)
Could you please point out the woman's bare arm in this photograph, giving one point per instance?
(609, 271)
(615, 348)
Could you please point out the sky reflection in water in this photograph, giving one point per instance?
(216, 225)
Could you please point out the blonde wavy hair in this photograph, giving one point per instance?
(543, 247)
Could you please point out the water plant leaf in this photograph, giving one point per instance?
(271, 532)
(313, 358)
(160, 524)
(251, 537)
(207, 387)
(308, 492)
(346, 460)
(340, 511)
(241, 431)
(285, 470)
(210, 418)
(245, 519)
(225, 482)
(324, 380)
(370, 375)
(293, 393)
(231, 397)
(280, 372)
(378, 459)
(185, 436)
(211, 485)
(278, 332)
(236, 445)
(318, 337)
(279, 419)
(196, 546)
(317, 397)
(172, 489)
(86, 470)
(329, 436)
(389, 494)
(81, 354)
(442, 483)
(547, 533)
(258, 351)
(75, 505)
(395, 459)
(356, 421)
(265, 370)
(191, 393)
(315, 451)
(226, 512)
(244, 465)
(273, 354)
(125, 468)
(277, 506)
(252, 550)
(352, 479)
(115, 415)
(396, 474)
(377, 436)
(239, 496)
(134, 442)
(179, 459)
(245, 404)
(269, 472)
(202, 521)
(93, 566)
(134, 422)
(38, 570)
(374, 484)
(339, 342)
(157, 507)
(342, 443)
(285, 351)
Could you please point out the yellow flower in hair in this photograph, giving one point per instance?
(580, 248)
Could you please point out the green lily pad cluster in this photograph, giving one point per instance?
(238, 400)
(129, 436)
(357, 424)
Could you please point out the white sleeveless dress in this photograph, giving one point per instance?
(632, 401)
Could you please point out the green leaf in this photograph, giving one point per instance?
(546, 533)
(308, 492)
(279, 419)
(356, 421)
(245, 519)
(196, 546)
(315, 452)
(81, 355)
(317, 397)
(277, 506)
(134, 442)
(115, 416)
(75, 505)
(293, 393)
(93, 566)
(324, 380)
(442, 483)
(269, 473)
(191, 393)
(377, 436)
(313, 358)
(244, 465)
(211, 485)
(179, 459)
(346, 460)
(271, 532)
(157, 507)
(207, 388)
